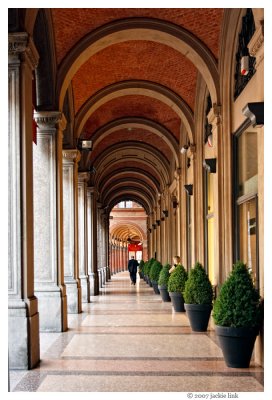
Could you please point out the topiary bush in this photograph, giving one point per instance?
(198, 288)
(178, 277)
(238, 303)
(164, 275)
(147, 266)
(141, 266)
(155, 270)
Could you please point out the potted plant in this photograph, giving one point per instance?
(176, 284)
(154, 275)
(237, 316)
(163, 282)
(198, 297)
(141, 269)
(147, 270)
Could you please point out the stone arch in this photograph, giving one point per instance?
(121, 229)
(127, 181)
(133, 170)
(147, 124)
(136, 87)
(128, 186)
(140, 29)
(149, 157)
(119, 176)
(132, 195)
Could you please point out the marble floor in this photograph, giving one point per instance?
(128, 340)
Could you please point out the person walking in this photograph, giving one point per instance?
(132, 267)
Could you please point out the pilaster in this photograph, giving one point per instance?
(23, 323)
(214, 118)
(92, 241)
(49, 269)
(83, 178)
(70, 223)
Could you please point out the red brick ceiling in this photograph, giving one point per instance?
(135, 60)
(143, 60)
(71, 24)
(133, 106)
(138, 135)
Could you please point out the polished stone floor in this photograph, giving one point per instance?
(128, 340)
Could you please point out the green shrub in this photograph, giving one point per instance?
(198, 288)
(164, 275)
(238, 303)
(147, 266)
(155, 270)
(141, 266)
(177, 279)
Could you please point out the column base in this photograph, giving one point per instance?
(100, 278)
(104, 275)
(52, 310)
(94, 284)
(108, 274)
(23, 334)
(73, 290)
(85, 289)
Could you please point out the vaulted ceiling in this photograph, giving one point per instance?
(132, 74)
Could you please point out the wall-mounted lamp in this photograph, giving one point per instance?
(184, 149)
(210, 165)
(158, 222)
(154, 226)
(85, 145)
(165, 212)
(189, 189)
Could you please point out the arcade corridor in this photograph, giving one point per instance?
(132, 132)
(127, 339)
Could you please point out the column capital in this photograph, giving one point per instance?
(214, 116)
(91, 190)
(71, 155)
(256, 44)
(83, 176)
(50, 120)
(21, 43)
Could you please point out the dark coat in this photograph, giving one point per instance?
(132, 266)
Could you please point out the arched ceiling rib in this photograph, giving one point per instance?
(120, 136)
(133, 152)
(140, 29)
(176, 72)
(123, 231)
(142, 175)
(121, 184)
(134, 129)
(73, 24)
(133, 75)
(103, 101)
(131, 194)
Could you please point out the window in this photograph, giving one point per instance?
(246, 200)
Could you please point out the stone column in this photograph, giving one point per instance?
(48, 226)
(23, 322)
(92, 241)
(70, 213)
(83, 178)
(114, 257)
